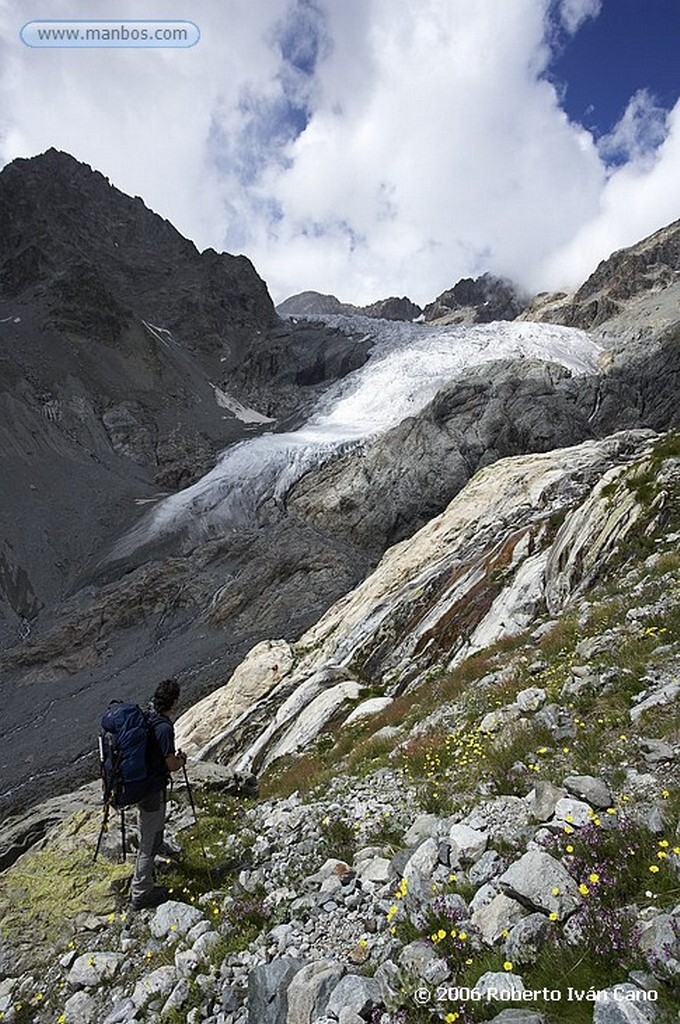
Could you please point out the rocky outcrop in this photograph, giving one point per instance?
(479, 301)
(381, 493)
(614, 288)
(521, 537)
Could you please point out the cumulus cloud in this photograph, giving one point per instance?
(362, 147)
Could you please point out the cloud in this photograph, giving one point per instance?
(639, 132)
(361, 147)
(573, 13)
(639, 196)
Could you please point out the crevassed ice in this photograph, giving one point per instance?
(409, 363)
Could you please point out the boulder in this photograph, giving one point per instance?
(310, 990)
(497, 917)
(593, 790)
(540, 882)
(623, 1004)
(526, 939)
(467, 845)
(90, 970)
(356, 993)
(81, 1009)
(174, 918)
(268, 990)
(160, 982)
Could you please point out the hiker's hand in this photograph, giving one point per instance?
(183, 756)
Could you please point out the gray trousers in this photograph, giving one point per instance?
(151, 817)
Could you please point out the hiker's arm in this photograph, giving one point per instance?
(176, 761)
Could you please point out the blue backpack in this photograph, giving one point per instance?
(124, 741)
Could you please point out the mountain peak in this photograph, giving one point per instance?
(63, 224)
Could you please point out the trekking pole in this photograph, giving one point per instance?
(198, 826)
(102, 830)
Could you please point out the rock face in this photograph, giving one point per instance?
(478, 301)
(121, 348)
(432, 600)
(650, 267)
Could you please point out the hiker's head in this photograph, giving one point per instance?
(166, 696)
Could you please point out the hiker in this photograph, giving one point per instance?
(163, 759)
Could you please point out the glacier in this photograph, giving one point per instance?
(408, 364)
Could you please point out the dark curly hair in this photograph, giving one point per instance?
(166, 694)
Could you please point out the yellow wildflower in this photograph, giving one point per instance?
(507, 966)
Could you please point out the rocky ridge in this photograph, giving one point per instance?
(313, 304)
(511, 812)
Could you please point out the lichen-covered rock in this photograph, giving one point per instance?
(527, 938)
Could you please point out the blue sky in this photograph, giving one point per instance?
(630, 45)
(374, 147)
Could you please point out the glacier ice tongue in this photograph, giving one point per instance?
(408, 364)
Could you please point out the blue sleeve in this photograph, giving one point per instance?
(165, 734)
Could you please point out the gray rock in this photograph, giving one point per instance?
(659, 940)
(623, 1004)
(497, 917)
(526, 939)
(121, 1012)
(93, 969)
(572, 812)
(177, 997)
(417, 956)
(173, 918)
(375, 872)
(159, 983)
(310, 990)
(500, 981)
(545, 799)
(540, 882)
(591, 789)
(268, 990)
(495, 720)
(81, 1008)
(489, 866)
(424, 827)
(467, 845)
(423, 862)
(356, 993)
(531, 699)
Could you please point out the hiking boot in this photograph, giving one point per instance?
(153, 898)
